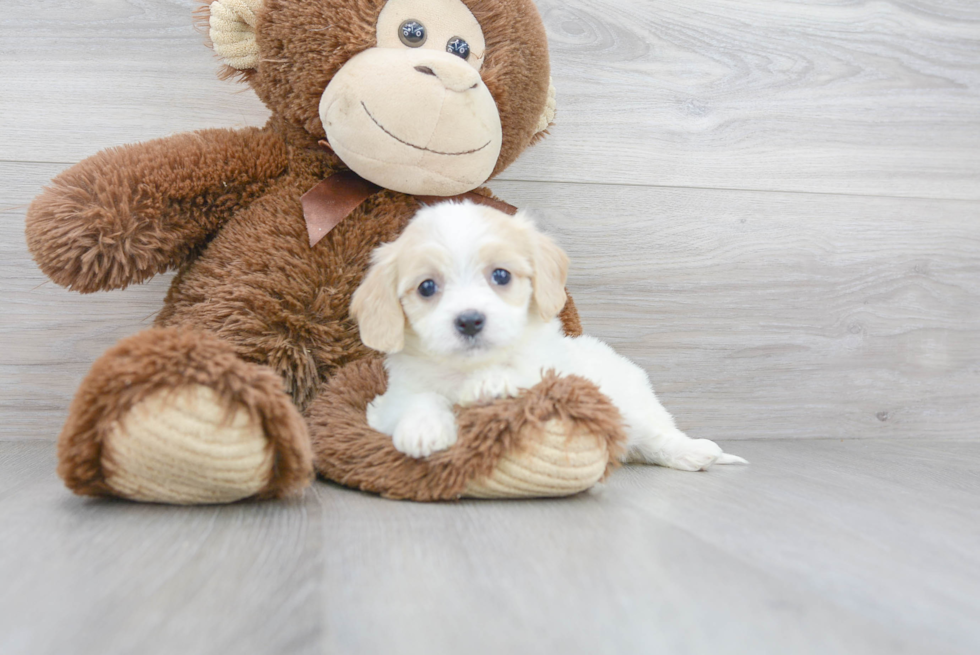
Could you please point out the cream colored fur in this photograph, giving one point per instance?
(442, 360)
(550, 109)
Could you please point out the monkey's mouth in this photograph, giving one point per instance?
(412, 145)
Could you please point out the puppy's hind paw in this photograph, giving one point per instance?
(697, 455)
(691, 455)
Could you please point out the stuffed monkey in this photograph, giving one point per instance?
(254, 373)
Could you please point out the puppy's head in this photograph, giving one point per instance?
(461, 281)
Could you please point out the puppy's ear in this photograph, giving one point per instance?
(375, 305)
(550, 275)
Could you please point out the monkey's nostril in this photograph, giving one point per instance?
(425, 70)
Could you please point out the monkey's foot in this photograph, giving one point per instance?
(186, 446)
(173, 416)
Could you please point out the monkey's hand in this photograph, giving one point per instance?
(126, 214)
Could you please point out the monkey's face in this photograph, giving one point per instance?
(428, 97)
(413, 114)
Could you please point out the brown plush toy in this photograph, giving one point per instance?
(254, 371)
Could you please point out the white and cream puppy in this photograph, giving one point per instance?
(465, 306)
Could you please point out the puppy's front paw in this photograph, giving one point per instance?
(423, 432)
(483, 388)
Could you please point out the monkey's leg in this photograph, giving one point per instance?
(173, 415)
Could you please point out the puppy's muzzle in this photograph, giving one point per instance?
(470, 323)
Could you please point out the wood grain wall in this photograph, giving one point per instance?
(774, 206)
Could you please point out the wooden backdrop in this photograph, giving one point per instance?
(774, 206)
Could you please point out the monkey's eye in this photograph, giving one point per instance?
(428, 288)
(458, 47)
(501, 277)
(412, 33)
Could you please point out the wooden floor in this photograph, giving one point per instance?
(820, 546)
(773, 205)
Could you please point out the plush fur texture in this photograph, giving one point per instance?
(351, 453)
(416, 119)
(160, 359)
(305, 43)
(464, 306)
(126, 214)
(254, 310)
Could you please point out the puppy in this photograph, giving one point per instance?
(465, 306)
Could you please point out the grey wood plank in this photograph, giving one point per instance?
(103, 577)
(847, 97)
(818, 546)
(781, 315)
(889, 530)
(49, 337)
(757, 314)
(79, 77)
(879, 98)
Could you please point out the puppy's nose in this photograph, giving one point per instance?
(470, 323)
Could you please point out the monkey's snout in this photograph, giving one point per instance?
(454, 74)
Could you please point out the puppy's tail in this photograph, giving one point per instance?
(726, 458)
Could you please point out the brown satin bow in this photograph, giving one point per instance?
(333, 200)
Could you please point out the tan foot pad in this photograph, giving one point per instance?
(186, 446)
(551, 464)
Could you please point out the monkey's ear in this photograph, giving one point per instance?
(232, 31)
(375, 305)
(550, 275)
(548, 115)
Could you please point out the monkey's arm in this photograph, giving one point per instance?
(126, 214)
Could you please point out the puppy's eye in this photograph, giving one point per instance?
(428, 288)
(458, 47)
(412, 33)
(501, 277)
